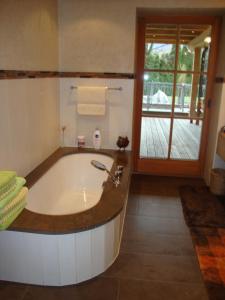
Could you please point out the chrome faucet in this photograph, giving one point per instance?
(115, 178)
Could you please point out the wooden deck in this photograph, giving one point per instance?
(155, 138)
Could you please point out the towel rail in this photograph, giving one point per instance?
(72, 87)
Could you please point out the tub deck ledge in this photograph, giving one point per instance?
(110, 205)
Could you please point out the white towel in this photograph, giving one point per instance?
(91, 100)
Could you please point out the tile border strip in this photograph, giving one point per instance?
(97, 75)
(15, 74)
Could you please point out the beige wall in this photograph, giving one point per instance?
(216, 122)
(96, 36)
(99, 35)
(221, 55)
(29, 108)
(217, 111)
(29, 122)
(28, 35)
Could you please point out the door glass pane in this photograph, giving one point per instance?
(200, 97)
(160, 46)
(190, 95)
(194, 45)
(157, 93)
(154, 137)
(186, 139)
(183, 94)
(185, 58)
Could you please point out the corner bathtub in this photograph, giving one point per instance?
(71, 228)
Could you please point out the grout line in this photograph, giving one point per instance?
(164, 255)
(200, 282)
(160, 217)
(118, 290)
(180, 220)
(154, 234)
(192, 256)
(178, 235)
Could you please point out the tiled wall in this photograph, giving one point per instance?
(99, 36)
(28, 35)
(117, 120)
(29, 122)
(29, 108)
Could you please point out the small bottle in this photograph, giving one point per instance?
(81, 141)
(97, 139)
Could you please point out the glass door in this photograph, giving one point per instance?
(172, 77)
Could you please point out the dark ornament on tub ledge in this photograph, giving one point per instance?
(122, 142)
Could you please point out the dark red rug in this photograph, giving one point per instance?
(205, 216)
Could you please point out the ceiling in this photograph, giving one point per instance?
(169, 34)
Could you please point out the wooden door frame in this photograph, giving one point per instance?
(188, 168)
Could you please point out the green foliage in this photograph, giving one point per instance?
(185, 61)
(156, 58)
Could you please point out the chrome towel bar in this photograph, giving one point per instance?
(72, 87)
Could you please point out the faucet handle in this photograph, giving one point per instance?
(118, 173)
(120, 168)
(117, 182)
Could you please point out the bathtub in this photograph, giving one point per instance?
(71, 228)
(72, 185)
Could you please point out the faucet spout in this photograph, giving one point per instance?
(102, 167)
(114, 179)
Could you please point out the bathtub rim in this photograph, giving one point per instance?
(96, 216)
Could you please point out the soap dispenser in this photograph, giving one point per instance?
(97, 139)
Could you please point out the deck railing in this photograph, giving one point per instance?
(183, 94)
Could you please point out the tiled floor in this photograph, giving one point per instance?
(156, 262)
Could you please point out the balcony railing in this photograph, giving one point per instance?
(158, 96)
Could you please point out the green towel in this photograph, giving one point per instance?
(8, 191)
(14, 202)
(7, 180)
(7, 220)
(13, 209)
(11, 193)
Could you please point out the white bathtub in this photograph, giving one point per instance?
(72, 185)
(67, 194)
